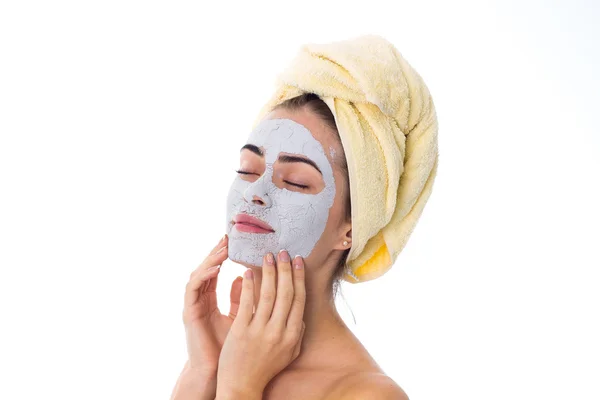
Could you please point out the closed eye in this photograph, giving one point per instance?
(295, 184)
(288, 182)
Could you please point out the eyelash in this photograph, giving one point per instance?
(293, 184)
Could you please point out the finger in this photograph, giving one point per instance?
(285, 290)
(211, 283)
(299, 344)
(294, 320)
(212, 260)
(209, 268)
(234, 297)
(268, 290)
(244, 315)
(224, 241)
(196, 284)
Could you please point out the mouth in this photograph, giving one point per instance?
(246, 223)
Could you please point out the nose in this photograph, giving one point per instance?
(263, 200)
(258, 200)
(256, 192)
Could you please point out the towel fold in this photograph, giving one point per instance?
(388, 127)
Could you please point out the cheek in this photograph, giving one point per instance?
(236, 193)
(301, 216)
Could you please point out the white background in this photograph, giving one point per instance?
(121, 123)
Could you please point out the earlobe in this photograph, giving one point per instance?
(346, 240)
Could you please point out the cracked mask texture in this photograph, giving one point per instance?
(298, 218)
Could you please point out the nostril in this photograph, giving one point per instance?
(263, 202)
(258, 200)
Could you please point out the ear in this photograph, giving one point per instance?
(345, 236)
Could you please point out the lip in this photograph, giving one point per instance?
(246, 223)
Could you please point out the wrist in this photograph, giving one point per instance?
(200, 375)
(236, 393)
(201, 372)
(193, 384)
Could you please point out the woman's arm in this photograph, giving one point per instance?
(195, 385)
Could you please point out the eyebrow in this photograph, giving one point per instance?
(284, 158)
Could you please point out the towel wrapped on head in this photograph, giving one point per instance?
(388, 127)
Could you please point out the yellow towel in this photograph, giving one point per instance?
(388, 127)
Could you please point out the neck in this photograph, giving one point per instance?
(324, 327)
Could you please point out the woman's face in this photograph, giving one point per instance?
(287, 180)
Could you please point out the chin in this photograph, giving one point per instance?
(245, 264)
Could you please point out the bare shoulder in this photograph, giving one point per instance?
(369, 385)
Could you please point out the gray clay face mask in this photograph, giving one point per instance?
(298, 219)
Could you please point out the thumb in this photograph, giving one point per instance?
(234, 297)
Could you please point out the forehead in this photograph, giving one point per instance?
(303, 116)
(279, 135)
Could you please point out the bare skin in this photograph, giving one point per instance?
(329, 362)
(332, 363)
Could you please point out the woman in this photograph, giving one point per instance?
(331, 183)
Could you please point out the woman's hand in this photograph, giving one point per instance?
(205, 327)
(262, 344)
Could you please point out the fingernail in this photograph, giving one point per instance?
(298, 262)
(249, 274)
(270, 258)
(224, 237)
(284, 256)
(221, 249)
(213, 268)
